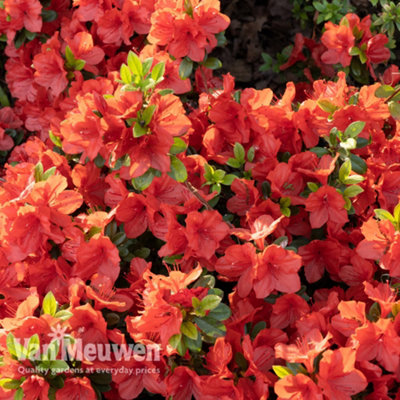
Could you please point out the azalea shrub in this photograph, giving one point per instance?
(165, 235)
(354, 45)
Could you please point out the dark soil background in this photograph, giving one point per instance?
(257, 26)
(267, 26)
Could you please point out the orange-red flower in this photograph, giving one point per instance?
(76, 388)
(204, 232)
(277, 270)
(326, 205)
(297, 387)
(339, 40)
(337, 377)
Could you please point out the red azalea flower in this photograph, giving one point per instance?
(337, 377)
(326, 205)
(339, 40)
(76, 388)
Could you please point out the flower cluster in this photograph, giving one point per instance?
(164, 233)
(351, 45)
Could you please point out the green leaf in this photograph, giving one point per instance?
(146, 65)
(232, 162)
(164, 92)
(158, 71)
(134, 64)
(208, 172)
(384, 91)
(174, 340)
(216, 187)
(354, 129)
(296, 368)
(318, 6)
(143, 252)
(185, 68)
(10, 384)
(251, 153)
(139, 130)
(63, 315)
(362, 142)
(30, 35)
(48, 15)
(178, 169)
(384, 214)
(257, 328)
(327, 106)
(210, 302)
(353, 100)
(353, 191)
(354, 51)
(189, 330)
(241, 361)
(352, 179)
(69, 56)
(396, 213)
(394, 108)
(312, 186)
(284, 202)
(395, 309)
(363, 57)
(144, 181)
(3, 98)
(344, 170)
(228, 179)
(347, 203)
(396, 97)
(124, 161)
(220, 313)
(125, 74)
(193, 345)
(195, 302)
(221, 39)
(33, 345)
(59, 365)
(358, 164)
(266, 189)
(38, 172)
(210, 326)
(218, 175)
(49, 305)
(334, 134)
(55, 139)
(148, 113)
(11, 345)
(374, 312)
(118, 238)
(281, 371)
(181, 348)
(51, 351)
(20, 39)
(217, 291)
(51, 171)
(319, 151)
(179, 146)
(205, 281)
(101, 378)
(213, 63)
(79, 65)
(19, 394)
(238, 151)
(99, 161)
